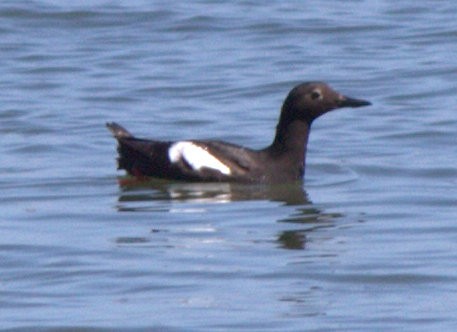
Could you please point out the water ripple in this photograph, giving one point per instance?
(361, 241)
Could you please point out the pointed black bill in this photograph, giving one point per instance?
(352, 102)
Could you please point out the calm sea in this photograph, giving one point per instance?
(369, 242)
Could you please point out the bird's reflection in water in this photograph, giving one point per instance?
(305, 217)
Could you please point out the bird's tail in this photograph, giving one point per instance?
(118, 131)
(133, 154)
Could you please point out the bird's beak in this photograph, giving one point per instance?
(352, 102)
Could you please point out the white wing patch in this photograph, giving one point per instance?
(196, 157)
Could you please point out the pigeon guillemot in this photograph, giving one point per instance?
(216, 161)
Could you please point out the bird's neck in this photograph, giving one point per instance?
(291, 140)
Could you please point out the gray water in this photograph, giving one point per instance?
(369, 242)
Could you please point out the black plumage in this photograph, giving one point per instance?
(282, 161)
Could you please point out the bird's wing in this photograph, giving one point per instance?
(186, 160)
(237, 158)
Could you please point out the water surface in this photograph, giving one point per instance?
(367, 243)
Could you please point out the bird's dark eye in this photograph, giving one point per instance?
(315, 95)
